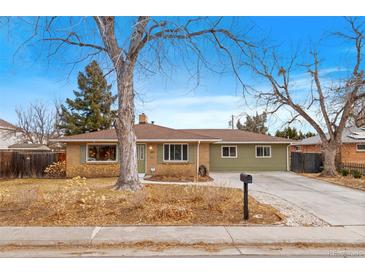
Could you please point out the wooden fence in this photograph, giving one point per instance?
(27, 164)
(354, 166)
(306, 162)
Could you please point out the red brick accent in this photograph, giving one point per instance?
(349, 154)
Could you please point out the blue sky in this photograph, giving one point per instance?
(171, 100)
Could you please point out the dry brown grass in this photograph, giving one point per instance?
(80, 201)
(347, 181)
(178, 178)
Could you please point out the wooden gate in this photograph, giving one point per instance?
(306, 162)
(27, 164)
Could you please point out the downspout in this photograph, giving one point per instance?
(287, 158)
(197, 159)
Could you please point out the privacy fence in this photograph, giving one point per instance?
(27, 164)
(354, 166)
(306, 162)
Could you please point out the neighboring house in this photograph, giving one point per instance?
(29, 147)
(352, 147)
(8, 135)
(162, 151)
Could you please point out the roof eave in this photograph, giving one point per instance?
(254, 142)
(138, 140)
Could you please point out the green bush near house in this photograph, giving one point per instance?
(356, 174)
(344, 172)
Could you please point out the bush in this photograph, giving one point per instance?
(344, 172)
(56, 170)
(357, 174)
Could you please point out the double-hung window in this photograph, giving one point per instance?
(175, 152)
(101, 153)
(263, 151)
(229, 151)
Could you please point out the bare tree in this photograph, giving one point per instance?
(37, 124)
(328, 105)
(358, 115)
(122, 44)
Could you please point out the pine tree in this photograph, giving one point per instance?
(254, 123)
(292, 133)
(91, 110)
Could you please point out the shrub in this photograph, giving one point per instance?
(56, 170)
(138, 199)
(344, 172)
(357, 174)
(27, 197)
(171, 212)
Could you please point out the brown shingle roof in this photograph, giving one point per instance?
(143, 132)
(5, 124)
(235, 135)
(29, 147)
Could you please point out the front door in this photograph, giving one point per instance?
(141, 158)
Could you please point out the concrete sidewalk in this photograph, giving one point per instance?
(48, 236)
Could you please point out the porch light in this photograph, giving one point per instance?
(150, 147)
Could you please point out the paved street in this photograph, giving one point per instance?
(237, 251)
(336, 205)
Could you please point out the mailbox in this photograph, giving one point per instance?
(246, 178)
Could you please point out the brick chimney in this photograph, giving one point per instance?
(143, 118)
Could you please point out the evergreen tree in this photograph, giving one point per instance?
(254, 123)
(292, 133)
(91, 110)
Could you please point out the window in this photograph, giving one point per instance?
(360, 148)
(101, 153)
(175, 152)
(229, 152)
(298, 148)
(263, 151)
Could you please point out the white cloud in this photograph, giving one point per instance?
(206, 111)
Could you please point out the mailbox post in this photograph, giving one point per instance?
(246, 179)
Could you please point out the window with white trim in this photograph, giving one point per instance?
(101, 153)
(263, 151)
(175, 152)
(360, 147)
(229, 151)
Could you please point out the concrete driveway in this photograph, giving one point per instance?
(336, 205)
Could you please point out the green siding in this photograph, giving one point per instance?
(191, 148)
(82, 154)
(247, 161)
(159, 153)
(192, 153)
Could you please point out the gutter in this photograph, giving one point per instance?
(138, 140)
(287, 158)
(197, 159)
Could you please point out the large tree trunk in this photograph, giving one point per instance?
(329, 163)
(128, 177)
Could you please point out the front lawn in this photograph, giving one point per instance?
(93, 202)
(348, 181)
